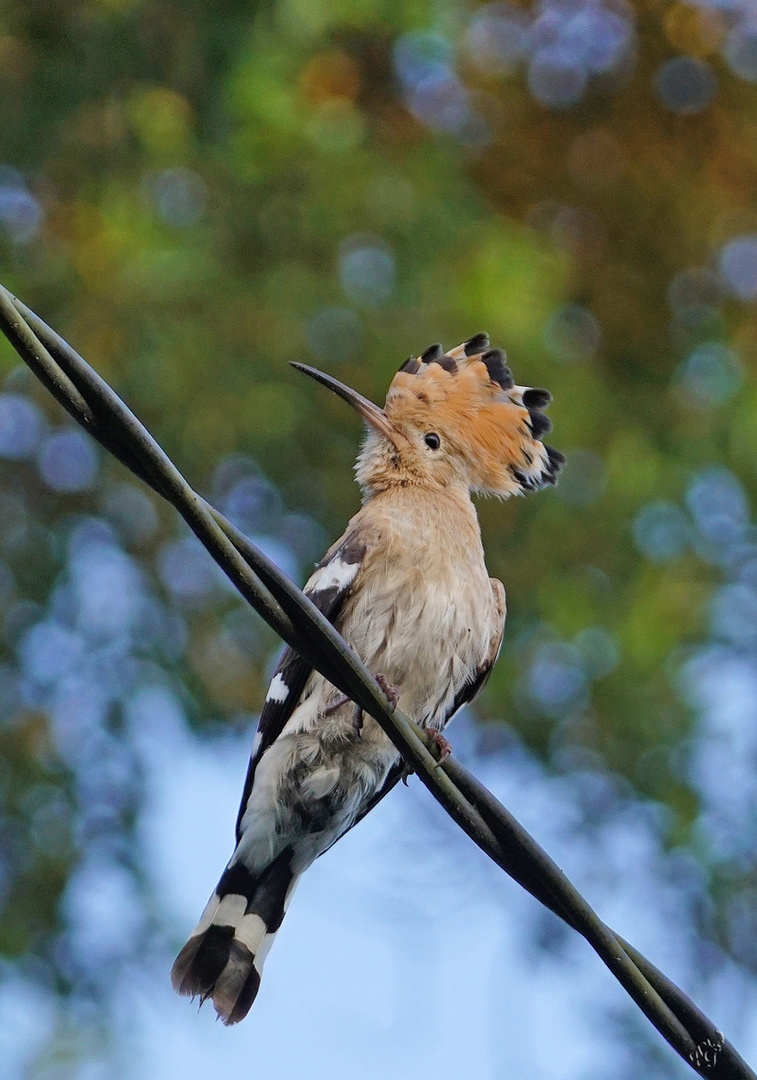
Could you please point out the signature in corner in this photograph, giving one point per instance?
(706, 1053)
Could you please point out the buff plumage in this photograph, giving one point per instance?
(407, 587)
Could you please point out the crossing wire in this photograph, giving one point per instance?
(99, 410)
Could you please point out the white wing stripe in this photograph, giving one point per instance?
(278, 690)
(335, 574)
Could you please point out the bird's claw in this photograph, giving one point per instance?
(357, 714)
(392, 695)
(444, 746)
(336, 705)
(392, 692)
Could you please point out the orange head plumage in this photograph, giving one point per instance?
(454, 418)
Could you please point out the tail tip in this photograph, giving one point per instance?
(214, 966)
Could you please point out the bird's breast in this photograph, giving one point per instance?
(425, 625)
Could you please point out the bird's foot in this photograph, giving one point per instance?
(357, 715)
(392, 692)
(444, 746)
(392, 695)
(336, 705)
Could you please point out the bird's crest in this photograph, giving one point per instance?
(455, 414)
(469, 393)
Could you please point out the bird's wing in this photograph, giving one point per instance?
(464, 696)
(467, 693)
(328, 588)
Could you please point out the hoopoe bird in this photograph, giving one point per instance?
(407, 587)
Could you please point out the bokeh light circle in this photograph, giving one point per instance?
(686, 85)
(738, 266)
(68, 461)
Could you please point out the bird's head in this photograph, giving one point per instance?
(454, 419)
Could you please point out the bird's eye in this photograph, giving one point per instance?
(431, 440)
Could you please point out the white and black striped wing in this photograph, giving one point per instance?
(328, 588)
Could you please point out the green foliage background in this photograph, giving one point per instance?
(284, 126)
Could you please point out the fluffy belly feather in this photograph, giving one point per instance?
(425, 636)
(320, 773)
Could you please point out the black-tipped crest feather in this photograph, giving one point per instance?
(476, 344)
(412, 365)
(536, 399)
(433, 352)
(445, 362)
(540, 424)
(495, 361)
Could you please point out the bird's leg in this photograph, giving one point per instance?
(392, 692)
(357, 715)
(444, 746)
(335, 705)
(392, 695)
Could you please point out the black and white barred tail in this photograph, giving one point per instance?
(223, 959)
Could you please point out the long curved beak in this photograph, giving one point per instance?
(372, 414)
